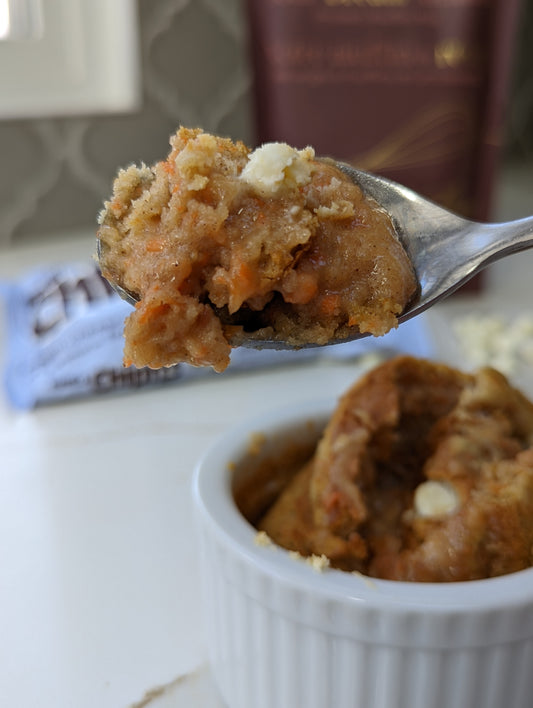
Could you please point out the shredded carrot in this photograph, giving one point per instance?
(330, 303)
(307, 289)
(333, 501)
(243, 282)
(169, 166)
(154, 245)
(152, 312)
(300, 290)
(243, 276)
(177, 184)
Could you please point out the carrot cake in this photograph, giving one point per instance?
(221, 245)
(423, 473)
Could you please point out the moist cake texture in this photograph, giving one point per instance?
(220, 244)
(423, 473)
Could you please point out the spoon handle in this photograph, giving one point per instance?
(463, 250)
(505, 239)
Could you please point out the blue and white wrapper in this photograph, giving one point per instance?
(64, 339)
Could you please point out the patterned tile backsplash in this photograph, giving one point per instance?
(56, 172)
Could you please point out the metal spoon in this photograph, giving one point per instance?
(445, 249)
(131, 298)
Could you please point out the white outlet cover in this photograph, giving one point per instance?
(84, 60)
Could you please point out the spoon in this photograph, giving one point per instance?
(445, 250)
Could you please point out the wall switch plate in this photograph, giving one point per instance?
(84, 59)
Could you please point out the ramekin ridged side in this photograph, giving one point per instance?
(264, 655)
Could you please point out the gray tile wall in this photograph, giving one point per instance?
(55, 173)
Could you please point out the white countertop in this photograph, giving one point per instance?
(99, 590)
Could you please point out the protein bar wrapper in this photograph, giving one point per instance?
(64, 336)
(64, 339)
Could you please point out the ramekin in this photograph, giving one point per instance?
(282, 635)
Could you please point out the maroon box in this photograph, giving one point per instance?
(413, 90)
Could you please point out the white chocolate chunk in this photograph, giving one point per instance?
(273, 164)
(434, 498)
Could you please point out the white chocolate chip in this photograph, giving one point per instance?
(434, 498)
(274, 164)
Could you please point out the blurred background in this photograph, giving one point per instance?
(177, 62)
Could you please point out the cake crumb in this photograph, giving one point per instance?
(255, 443)
(317, 563)
(369, 582)
(263, 539)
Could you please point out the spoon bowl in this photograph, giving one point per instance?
(445, 250)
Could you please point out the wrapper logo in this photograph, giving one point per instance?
(55, 303)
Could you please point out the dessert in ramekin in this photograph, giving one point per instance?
(285, 631)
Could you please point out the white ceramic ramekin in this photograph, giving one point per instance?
(282, 635)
